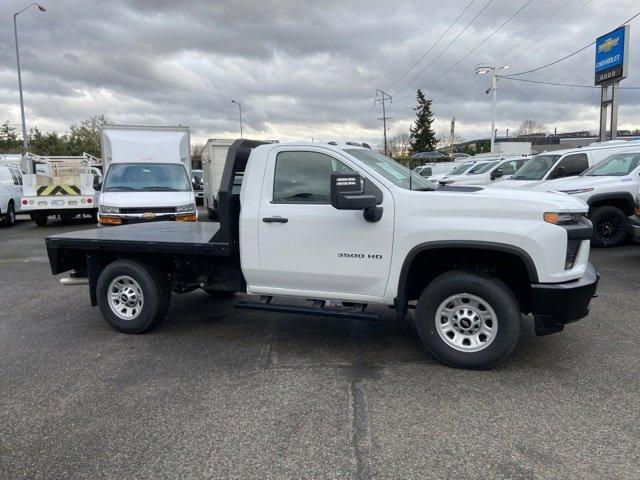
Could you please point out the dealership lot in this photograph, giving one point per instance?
(215, 392)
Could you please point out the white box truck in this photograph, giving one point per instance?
(60, 186)
(147, 175)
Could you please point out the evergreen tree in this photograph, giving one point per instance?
(10, 142)
(423, 137)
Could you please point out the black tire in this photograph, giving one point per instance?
(219, 294)
(609, 226)
(492, 292)
(94, 216)
(213, 215)
(155, 291)
(40, 218)
(10, 216)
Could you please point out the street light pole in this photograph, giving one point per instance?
(25, 145)
(493, 69)
(240, 110)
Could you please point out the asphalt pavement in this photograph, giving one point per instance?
(221, 393)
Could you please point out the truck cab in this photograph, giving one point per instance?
(346, 226)
(147, 175)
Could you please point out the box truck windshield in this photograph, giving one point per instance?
(146, 177)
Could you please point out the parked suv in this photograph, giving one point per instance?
(10, 193)
(487, 173)
(609, 188)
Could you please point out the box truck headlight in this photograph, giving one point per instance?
(190, 207)
(106, 209)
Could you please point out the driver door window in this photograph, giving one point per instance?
(571, 165)
(304, 177)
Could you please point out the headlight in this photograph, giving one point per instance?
(106, 209)
(578, 190)
(566, 218)
(189, 207)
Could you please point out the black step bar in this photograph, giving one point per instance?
(303, 310)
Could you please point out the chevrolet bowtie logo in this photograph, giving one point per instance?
(608, 44)
(148, 215)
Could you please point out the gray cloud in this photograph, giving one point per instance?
(301, 69)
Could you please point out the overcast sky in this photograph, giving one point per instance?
(306, 69)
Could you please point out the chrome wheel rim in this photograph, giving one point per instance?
(125, 297)
(466, 322)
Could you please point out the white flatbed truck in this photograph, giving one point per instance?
(347, 224)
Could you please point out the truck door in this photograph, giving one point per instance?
(307, 245)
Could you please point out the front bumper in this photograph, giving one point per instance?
(130, 218)
(633, 227)
(555, 304)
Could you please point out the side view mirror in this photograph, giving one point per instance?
(347, 194)
(497, 174)
(97, 183)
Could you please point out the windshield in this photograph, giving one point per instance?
(460, 169)
(617, 165)
(536, 168)
(482, 168)
(392, 170)
(146, 177)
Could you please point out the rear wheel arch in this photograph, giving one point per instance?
(426, 261)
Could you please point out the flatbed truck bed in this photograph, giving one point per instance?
(198, 238)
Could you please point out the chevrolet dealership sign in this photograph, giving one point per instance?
(612, 51)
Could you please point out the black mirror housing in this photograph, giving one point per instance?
(347, 194)
(497, 174)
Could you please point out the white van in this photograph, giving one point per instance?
(566, 163)
(10, 193)
(147, 175)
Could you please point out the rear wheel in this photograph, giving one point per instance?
(468, 320)
(132, 297)
(10, 216)
(40, 218)
(609, 226)
(67, 217)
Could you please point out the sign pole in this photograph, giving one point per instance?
(614, 109)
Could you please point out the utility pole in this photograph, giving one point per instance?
(493, 69)
(453, 129)
(383, 98)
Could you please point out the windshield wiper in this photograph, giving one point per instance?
(123, 187)
(519, 177)
(158, 188)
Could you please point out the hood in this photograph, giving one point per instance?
(436, 178)
(145, 199)
(520, 184)
(479, 179)
(527, 199)
(574, 183)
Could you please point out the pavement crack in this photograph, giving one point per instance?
(360, 440)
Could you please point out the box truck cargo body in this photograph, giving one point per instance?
(147, 175)
(60, 186)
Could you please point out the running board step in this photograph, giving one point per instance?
(302, 310)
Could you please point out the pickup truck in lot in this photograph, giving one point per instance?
(609, 188)
(349, 225)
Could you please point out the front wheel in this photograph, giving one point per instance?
(609, 226)
(132, 297)
(468, 320)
